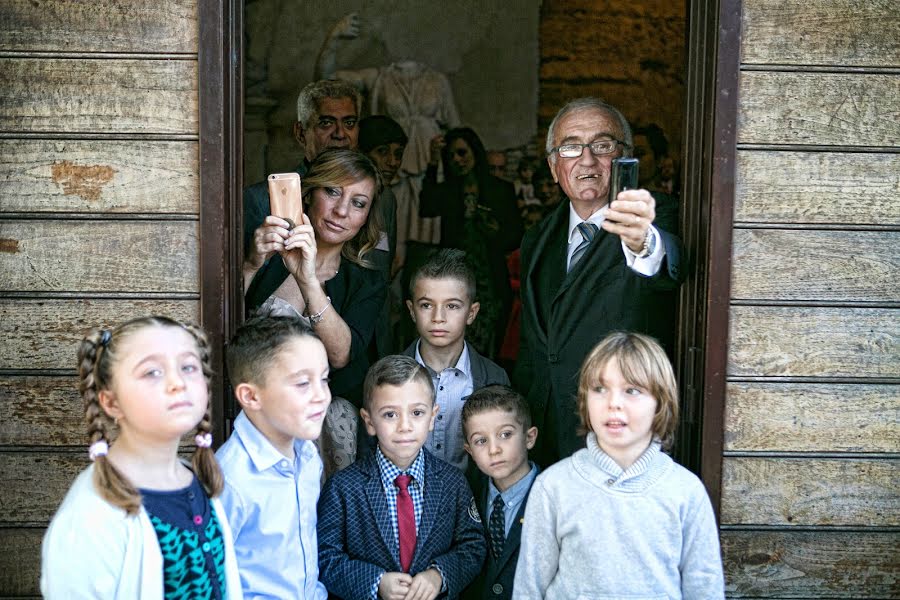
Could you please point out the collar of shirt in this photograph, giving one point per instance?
(462, 364)
(389, 470)
(514, 495)
(612, 468)
(574, 220)
(262, 452)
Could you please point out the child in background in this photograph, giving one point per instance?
(442, 306)
(620, 518)
(138, 523)
(398, 523)
(279, 371)
(497, 424)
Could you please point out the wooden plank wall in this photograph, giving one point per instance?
(99, 222)
(810, 503)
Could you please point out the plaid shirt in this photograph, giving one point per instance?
(389, 473)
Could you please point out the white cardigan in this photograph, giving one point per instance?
(93, 549)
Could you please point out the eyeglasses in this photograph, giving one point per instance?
(598, 148)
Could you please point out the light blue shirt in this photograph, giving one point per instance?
(512, 497)
(451, 388)
(271, 507)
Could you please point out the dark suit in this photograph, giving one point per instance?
(564, 315)
(356, 534)
(495, 582)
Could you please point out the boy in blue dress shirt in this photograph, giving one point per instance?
(279, 371)
(398, 523)
(442, 306)
(499, 435)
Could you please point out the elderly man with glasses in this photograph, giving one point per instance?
(589, 269)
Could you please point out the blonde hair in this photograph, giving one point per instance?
(643, 363)
(97, 356)
(337, 167)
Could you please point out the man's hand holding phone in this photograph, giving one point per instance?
(630, 216)
(630, 211)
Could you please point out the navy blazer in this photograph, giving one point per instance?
(356, 531)
(495, 581)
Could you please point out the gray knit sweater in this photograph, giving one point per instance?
(593, 531)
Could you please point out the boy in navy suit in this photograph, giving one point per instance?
(499, 434)
(398, 523)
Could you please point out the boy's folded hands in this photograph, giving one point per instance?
(401, 586)
(425, 585)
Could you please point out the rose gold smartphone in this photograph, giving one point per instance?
(285, 199)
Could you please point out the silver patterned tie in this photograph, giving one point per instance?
(587, 231)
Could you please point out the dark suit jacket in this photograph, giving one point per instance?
(564, 315)
(495, 582)
(356, 534)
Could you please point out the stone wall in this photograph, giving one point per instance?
(631, 54)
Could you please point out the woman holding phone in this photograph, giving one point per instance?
(320, 269)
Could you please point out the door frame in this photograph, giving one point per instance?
(711, 111)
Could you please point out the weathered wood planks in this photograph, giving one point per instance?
(820, 564)
(99, 176)
(20, 563)
(810, 491)
(33, 484)
(97, 256)
(62, 323)
(852, 32)
(844, 266)
(813, 342)
(841, 109)
(99, 26)
(817, 187)
(811, 417)
(99, 95)
(41, 411)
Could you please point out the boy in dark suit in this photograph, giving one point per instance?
(398, 523)
(499, 434)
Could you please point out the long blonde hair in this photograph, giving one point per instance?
(337, 167)
(97, 356)
(643, 363)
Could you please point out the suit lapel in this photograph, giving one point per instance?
(512, 541)
(431, 500)
(379, 507)
(548, 254)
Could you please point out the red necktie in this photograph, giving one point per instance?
(406, 522)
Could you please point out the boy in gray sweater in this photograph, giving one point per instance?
(621, 504)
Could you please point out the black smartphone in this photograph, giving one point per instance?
(624, 176)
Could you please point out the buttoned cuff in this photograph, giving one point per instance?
(648, 265)
(374, 594)
(443, 579)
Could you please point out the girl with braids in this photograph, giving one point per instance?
(139, 523)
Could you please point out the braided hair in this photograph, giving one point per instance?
(96, 359)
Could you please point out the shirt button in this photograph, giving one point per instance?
(442, 388)
(206, 546)
(438, 446)
(497, 589)
(610, 481)
(440, 417)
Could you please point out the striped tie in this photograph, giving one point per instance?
(587, 231)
